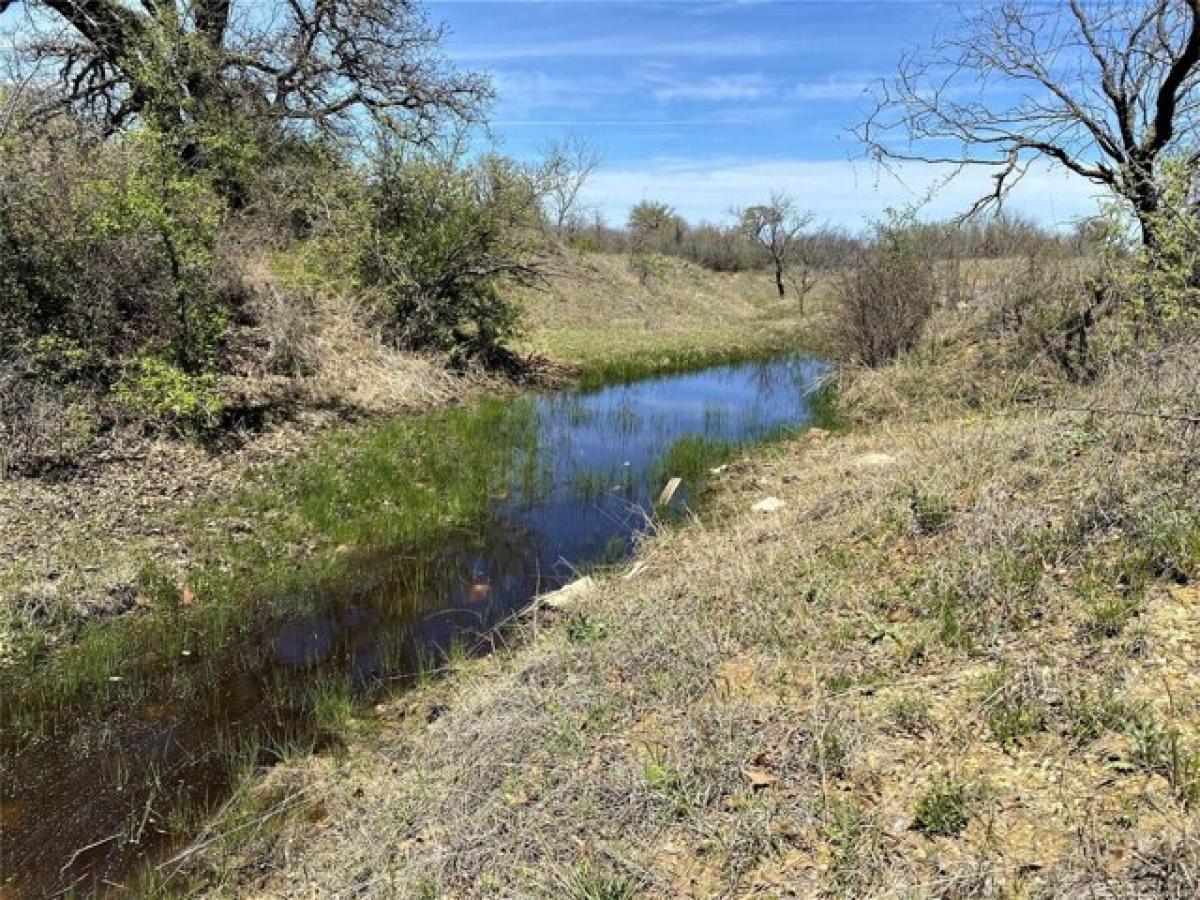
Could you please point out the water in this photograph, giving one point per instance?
(101, 790)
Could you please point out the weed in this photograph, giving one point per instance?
(942, 809)
(1090, 712)
(585, 629)
(910, 714)
(931, 514)
(332, 705)
(1161, 748)
(855, 837)
(1011, 707)
(587, 883)
(830, 752)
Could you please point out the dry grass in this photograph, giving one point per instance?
(908, 682)
(595, 304)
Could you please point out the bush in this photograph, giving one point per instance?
(106, 245)
(886, 296)
(942, 809)
(443, 238)
(156, 390)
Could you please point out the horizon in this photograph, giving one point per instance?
(708, 106)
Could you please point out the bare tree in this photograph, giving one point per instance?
(322, 63)
(778, 227)
(567, 165)
(1105, 88)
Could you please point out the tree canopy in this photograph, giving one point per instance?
(320, 64)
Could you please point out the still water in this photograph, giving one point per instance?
(100, 791)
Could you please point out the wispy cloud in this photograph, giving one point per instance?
(835, 87)
(716, 88)
(840, 193)
(623, 46)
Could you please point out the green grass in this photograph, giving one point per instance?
(672, 358)
(942, 809)
(406, 480)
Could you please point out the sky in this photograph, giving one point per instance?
(707, 105)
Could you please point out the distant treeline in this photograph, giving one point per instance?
(654, 227)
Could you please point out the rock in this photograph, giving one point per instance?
(759, 778)
(769, 505)
(669, 491)
(568, 596)
(873, 461)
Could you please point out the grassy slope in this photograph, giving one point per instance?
(595, 312)
(961, 661)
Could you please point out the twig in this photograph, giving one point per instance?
(1109, 411)
(82, 850)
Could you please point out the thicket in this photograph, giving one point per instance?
(122, 266)
(1123, 285)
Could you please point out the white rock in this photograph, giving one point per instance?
(570, 594)
(769, 505)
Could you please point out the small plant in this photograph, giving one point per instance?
(586, 883)
(158, 391)
(830, 753)
(585, 629)
(1160, 748)
(910, 714)
(1092, 712)
(942, 809)
(930, 513)
(854, 835)
(1012, 709)
(954, 621)
(332, 706)
(1108, 614)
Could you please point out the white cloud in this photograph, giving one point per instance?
(836, 87)
(840, 193)
(718, 88)
(621, 45)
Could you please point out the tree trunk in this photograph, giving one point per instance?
(779, 279)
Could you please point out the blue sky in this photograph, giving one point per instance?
(707, 105)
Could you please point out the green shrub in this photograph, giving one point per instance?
(942, 809)
(885, 297)
(154, 389)
(443, 238)
(106, 245)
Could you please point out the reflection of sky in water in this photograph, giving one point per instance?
(587, 435)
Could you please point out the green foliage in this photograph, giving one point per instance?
(931, 514)
(109, 248)
(942, 809)
(155, 389)
(583, 628)
(1090, 712)
(1165, 283)
(587, 883)
(655, 227)
(443, 238)
(1163, 749)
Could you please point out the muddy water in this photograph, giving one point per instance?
(93, 793)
